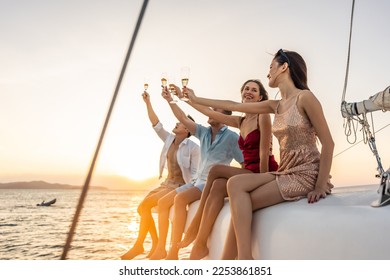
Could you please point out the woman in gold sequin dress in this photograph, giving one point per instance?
(303, 170)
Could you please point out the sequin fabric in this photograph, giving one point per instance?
(299, 155)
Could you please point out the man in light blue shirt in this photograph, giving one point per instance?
(218, 149)
(218, 145)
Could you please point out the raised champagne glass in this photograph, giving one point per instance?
(172, 90)
(146, 84)
(185, 76)
(164, 80)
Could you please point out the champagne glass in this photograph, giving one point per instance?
(185, 76)
(172, 90)
(164, 80)
(146, 83)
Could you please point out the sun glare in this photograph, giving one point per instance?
(124, 158)
(132, 171)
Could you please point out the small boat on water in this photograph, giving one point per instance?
(48, 203)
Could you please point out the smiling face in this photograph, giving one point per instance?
(251, 92)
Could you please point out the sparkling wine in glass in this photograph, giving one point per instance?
(185, 76)
(172, 90)
(146, 84)
(164, 80)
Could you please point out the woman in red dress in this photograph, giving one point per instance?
(256, 144)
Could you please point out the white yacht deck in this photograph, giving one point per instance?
(344, 226)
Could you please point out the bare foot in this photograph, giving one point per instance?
(151, 251)
(199, 251)
(190, 234)
(173, 254)
(245, 257)
(158, 254)
(133, 252)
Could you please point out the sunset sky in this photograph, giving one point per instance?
(60, 62)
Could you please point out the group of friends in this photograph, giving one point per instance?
(204, 172)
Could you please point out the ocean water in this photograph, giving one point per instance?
(107, 227)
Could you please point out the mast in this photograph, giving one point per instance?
(357, 111)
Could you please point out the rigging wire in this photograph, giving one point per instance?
(359, 141)
(349, 125)
(89, 176)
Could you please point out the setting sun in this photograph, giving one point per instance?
(131, 170)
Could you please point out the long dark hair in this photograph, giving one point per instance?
(297, 65)
(263, 92)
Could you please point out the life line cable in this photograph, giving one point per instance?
(343, 151)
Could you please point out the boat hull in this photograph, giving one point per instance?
(343, 226)
(48, 203)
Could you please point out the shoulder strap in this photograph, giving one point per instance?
(277, 107)
(298, 95)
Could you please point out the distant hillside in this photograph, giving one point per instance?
(40, 185)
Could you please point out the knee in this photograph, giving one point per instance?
(163, 205)
(140, 209)
(218, 189)
(216, 170)
(231, 186)
(144, 206)
(180, 200)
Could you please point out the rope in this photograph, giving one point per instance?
(89, 176)
(359, 141)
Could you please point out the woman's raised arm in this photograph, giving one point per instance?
(264, 107)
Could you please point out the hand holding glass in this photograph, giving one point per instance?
(185, 76)
(164, 80)
(146, 84)
(173, 92)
